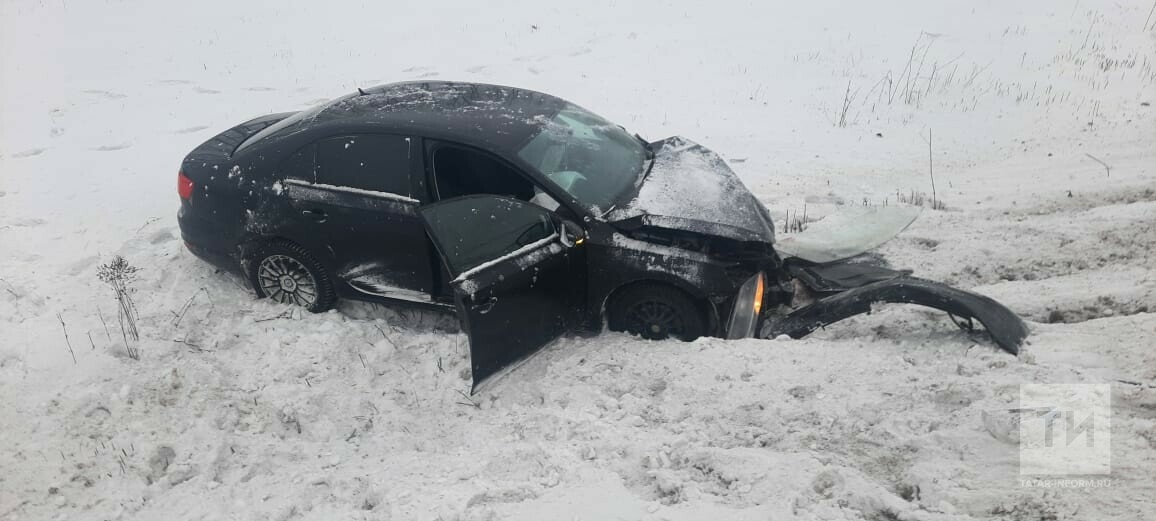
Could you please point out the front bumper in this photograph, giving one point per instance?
(1005, 327)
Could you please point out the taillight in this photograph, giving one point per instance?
(184, 186)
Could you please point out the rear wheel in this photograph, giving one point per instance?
(655, 312)
(288, 274)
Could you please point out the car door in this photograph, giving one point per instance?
(518, 276)
(355, 199)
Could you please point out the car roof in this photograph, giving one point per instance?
(493, 117)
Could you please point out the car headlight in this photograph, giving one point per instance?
(748, 304)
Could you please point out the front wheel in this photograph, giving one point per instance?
(288, 274)
(656, 312)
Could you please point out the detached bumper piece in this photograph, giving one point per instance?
(1005, 327)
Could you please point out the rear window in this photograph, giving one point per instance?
(289, 122)
(374, 162)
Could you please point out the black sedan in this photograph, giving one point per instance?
(527, 214)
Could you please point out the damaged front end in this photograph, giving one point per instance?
(693, 205)
(833, 288)
(761, 285)
(730, 279)
(846, 289)
(830, 288)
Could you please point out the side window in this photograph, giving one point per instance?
(462, 171)
(374, 162)
(471, 231)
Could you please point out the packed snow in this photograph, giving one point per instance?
(1041, 131)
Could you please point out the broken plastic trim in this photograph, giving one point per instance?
(847, 233)
(1005, 327)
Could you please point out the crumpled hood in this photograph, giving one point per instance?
(691, 188)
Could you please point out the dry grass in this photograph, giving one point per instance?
(120, 275)
(796, 222)
(915, 198)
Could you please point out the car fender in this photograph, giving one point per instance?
(708, 305)
(612, 268)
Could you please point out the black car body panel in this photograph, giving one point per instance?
(491, 117)
(691, 188)
(223, 145)
(212, 218)
(511, 301)
(352, 182)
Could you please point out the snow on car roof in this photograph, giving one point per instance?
(490, 116)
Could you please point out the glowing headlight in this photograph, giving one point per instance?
(748, 303)
(759, 295)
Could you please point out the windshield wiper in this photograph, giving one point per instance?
(646, 146)
(645, 172)
(649, 157)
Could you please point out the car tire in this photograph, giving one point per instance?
(287, 273)
(655, 312)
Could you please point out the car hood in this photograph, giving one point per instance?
(690, 188)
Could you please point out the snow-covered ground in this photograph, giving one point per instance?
(240, 409)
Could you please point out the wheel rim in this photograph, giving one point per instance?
(287, 281)
(654, 320)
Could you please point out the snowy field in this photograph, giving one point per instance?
(241, 409)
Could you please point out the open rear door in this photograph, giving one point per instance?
(517, 283)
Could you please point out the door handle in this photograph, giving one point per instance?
(317, 215)
(486, 306)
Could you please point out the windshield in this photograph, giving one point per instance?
(593, 160)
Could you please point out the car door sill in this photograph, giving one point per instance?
(399, 294)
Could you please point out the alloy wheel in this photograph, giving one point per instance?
(654, 320)
(287, 281)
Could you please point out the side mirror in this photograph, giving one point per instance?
(570, 233)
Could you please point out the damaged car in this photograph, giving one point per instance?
(528, 216)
